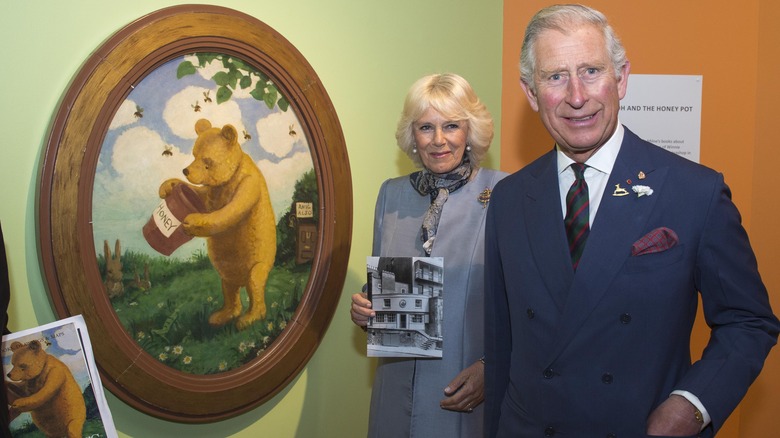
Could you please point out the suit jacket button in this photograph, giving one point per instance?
(611, 435)
(606, 378)
(549, 431)
(625, 318)
(548, 373)
(530, 312)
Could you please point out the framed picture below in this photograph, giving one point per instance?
(188, 210)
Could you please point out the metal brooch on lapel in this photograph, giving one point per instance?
(642, 191)
(484, 197)
(619, 191)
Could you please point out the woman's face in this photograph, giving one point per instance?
(439, 141)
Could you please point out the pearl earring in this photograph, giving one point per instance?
(468, 148)
(414, 150)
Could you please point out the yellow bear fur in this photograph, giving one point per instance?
(239, 224)
(47, 390)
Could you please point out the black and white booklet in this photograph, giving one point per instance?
(407, 295)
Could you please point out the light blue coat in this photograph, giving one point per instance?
(407, 392)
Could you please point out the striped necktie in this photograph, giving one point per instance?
(576, 220)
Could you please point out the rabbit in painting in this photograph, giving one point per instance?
(113, 275)
(145, 283)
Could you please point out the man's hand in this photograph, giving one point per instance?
(674, 417)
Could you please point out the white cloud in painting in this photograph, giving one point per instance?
(130, 190)
(278, 132)
(140, 164)
(125, 115)
(280, 185)
(180, 114)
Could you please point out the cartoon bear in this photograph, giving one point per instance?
(239, 223)
(47, 390)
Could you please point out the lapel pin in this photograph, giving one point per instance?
(484, 197)
(619, 191)
(642, 191)
(641, 175)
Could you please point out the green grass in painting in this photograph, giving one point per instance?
(170, 319)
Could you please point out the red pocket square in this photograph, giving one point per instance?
(660, 239)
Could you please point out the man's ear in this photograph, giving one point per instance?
(530, 94)
(622, 81)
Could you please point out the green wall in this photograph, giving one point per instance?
(366, 53)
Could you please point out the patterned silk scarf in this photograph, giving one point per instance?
(438, 187)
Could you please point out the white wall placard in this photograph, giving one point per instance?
(666, 111)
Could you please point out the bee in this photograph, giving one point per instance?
(206, 98)
(292, 131)
(246, 135)
(139, 112)
(168, 152)
(196, 107)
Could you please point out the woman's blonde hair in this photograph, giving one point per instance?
(453, 97)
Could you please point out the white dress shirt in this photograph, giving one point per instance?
(596, 174)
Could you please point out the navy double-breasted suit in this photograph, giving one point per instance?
(592, 353)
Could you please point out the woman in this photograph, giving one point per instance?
(439, 212)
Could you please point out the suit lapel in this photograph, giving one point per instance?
(619, 222)
(547, 237)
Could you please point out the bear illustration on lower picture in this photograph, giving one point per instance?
(239, 224)
(47, 390)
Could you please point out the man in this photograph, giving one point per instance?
(588, 335)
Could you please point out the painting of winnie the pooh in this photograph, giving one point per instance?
(46, 388)
(238, 224)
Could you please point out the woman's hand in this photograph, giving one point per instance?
(467, 390)
(361, 310)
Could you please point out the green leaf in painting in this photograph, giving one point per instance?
(258, 92)
(234, 76)
(221, 78)
(245, 82)
(241, 65)
(206, 58)
(283, 104)
(184, 69)
(223, 94)
(270, 97)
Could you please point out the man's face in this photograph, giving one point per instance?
(577, 94)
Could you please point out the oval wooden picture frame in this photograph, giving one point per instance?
(68, 252)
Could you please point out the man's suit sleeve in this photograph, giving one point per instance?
(736, 308)
(497, 323)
